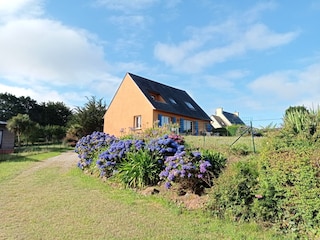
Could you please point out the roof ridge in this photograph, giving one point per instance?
(156, 82)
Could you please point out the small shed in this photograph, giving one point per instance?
(6, 139)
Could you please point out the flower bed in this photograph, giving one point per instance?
(140, 162)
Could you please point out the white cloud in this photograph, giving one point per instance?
(10, 9)
(227, 81)
(40, 94)
(45, 50)
(125, 5)
(259, 37)
(218, 43)
(255, 12)
(294, 86)
(40, 54)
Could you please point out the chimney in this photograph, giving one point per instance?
(219, 111)
(236, 113)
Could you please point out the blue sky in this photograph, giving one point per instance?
(254, 57)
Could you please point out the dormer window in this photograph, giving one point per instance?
(190, 106)
(157, 97)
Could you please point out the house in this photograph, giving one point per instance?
(6, 139)
(223, 119)
(139, 103)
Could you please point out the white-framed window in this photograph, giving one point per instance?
(165, 120)
(187, 126)
(137, 122)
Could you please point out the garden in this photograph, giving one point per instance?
(277, 187)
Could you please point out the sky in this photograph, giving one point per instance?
(253, 57)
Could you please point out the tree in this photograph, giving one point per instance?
(11, 106)
(55, 113)
(90, 117)
(20, 125)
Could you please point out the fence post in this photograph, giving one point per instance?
(252, 136)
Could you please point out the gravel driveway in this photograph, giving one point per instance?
(65, 161)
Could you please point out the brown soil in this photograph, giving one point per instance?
(188, 200)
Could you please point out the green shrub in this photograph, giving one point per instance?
(290, 189)
(217, 160)
(139, 169)
(235, 190)
(240, 149)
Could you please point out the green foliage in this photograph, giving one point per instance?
(21, 125)
(240, 149)
(289, 185)
(235, 130)
(158, 131)
(234, 191)
(90, 117)
(51, 113)
(11, 106)
(280, 187)
(217, 160)
(139, 169)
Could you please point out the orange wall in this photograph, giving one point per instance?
(128, 102)
(201, 123)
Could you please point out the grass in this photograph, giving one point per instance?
(14, 164)
(54, 204)
(225, 144)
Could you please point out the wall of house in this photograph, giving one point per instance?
(128, 102)
(199, 126)
(7, 141)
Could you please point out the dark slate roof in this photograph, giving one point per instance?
(233, 118)
(176, 100)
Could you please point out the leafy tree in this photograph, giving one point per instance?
(20, 125)
(9, 106)
(90, 117)
(294, 109)
(54, 132)
(55, 113)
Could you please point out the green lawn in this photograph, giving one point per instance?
(51, 203)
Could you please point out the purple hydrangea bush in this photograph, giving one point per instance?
(169, 160)
(115, 153)
(191, 169)
(89, 146)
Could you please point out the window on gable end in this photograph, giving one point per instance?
(137, 122)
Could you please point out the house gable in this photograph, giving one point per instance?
(223, 119)
(126, 106)
(168, 99)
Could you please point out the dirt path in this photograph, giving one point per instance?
(64, 162)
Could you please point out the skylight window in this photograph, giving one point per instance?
(190, 105)
(172, 101)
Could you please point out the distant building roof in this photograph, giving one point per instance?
(169, 99)
(3, 123)
(219, 120)
(233, 118)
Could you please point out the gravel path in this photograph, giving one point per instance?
(64, 162)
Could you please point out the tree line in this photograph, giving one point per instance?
(34, 122)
